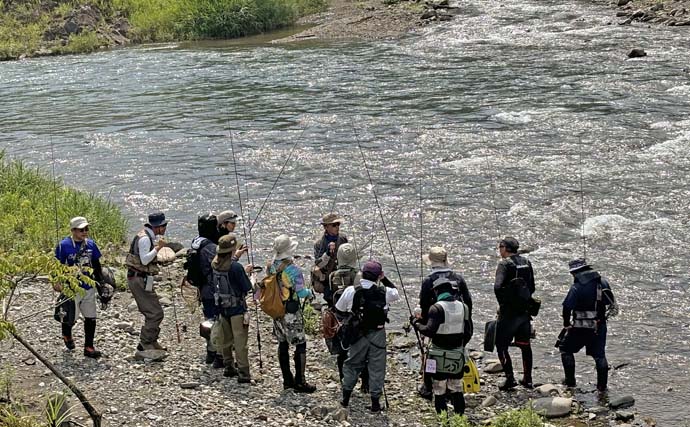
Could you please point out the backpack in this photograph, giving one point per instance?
(226, 296)
(192, 265)
(272, 293)
(329, 324)
(369, 306)
(519, 291)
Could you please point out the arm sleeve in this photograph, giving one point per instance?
(433, 322)
(344, 304)
(97, 270)
(59, 253)
(566, 316)
(531, 284)
(426, 297)
(392, 295)
(145, 255)
(465, 293)
(245, 284)
(498, 288)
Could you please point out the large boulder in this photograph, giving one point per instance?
(553, 407)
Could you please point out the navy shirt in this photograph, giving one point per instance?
(241, 285)
(85, 253)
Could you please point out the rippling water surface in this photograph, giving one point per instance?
(512, 96)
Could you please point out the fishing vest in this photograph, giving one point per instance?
(586, 313)
(226, 296)
(133, 259)
(455, 313)
(343, 277)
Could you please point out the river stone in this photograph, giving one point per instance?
(553, 407)
(165, 301)
(623, 2)
(189, 385)
(150, 355)
(547, 390)
(340, 415)
(637, 53)
(489, 401)
(493, 368)
(625, 416)
(622, 402)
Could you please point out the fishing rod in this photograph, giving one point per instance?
(248, 242)
(492, 188)
(385, 229)
(55, 203)
(421, 231)
(582, 204)
(261, 208)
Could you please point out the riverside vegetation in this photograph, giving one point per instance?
(47, 27)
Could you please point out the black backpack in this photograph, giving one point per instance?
(518, 289)
(192, 265)
(369, 305)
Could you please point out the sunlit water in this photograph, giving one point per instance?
(524, 97)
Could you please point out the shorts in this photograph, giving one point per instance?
(576, 338)
(290, 328)
(508, 328)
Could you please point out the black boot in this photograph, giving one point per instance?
(602, 374)
(375, 405)
(458, 401)
(284, 360)
(424, 389)
(568, 360)
(218, 362)
(301, 385)
(509, 383)
(345, 402)
(440, 403)
(210, 357)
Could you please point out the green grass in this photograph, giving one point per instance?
(30, 201)
(525, 417)
(27, 27)
(312, 321)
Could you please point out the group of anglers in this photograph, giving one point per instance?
(357, 303)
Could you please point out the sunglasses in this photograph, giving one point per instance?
(83, 230)
(336, 224)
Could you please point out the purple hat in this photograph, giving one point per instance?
(373, 267)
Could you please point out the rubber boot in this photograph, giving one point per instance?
(440, 403)
(67, 335)
(602, 374)
(345, 402)
(301, 385)
(568, 361)
(424, 389)
(375, 404)
(284, 360)
(218, 362)
(210, 357)
(89, 334)
(458, 401)
(509, 383)
(526, 366)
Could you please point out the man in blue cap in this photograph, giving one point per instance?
(585, 310)
(141, 267)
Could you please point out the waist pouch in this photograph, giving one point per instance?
(447, 361)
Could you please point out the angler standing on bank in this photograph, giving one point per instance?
(514, 287)
(142, 265)
(368, 303)
(78, 250)
(437, 260)
(325, 255)
(584, 321)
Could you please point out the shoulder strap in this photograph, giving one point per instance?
(283, 265)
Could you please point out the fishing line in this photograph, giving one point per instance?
(258, 214)
(55, 204)
(385, 229)
(582, 204)
(248, 242)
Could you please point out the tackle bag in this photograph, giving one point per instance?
(272, 293)
(490, 336)
(329, 324)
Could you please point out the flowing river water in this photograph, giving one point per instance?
(522, 97)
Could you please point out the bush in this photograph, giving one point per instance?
(526, 417)
(31, 203)
(312, 321)
(87, 41)
(454, 420)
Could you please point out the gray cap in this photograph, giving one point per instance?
(227, 216)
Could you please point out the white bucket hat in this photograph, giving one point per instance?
(284, 247)
(347, 256)
(437, 257)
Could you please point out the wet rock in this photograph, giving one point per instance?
(637, 53)
(476, 355)
(429, 14)
(553, 407)
(623, 2)
(547, 390)
(493, 368)
(340, 415)
(165, 301)
(29, 361)
(622, 402)
(625, 416)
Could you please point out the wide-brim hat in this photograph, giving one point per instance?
(577, 264)
(437, 257)
(227, 216)
(284, 247)
(331, 218)
(78, 222)
(347, 255)
(157, 219)
(227, 244)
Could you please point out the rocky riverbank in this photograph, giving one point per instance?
(183, 390)
(669, 12)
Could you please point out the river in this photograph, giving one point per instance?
(497, 114)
